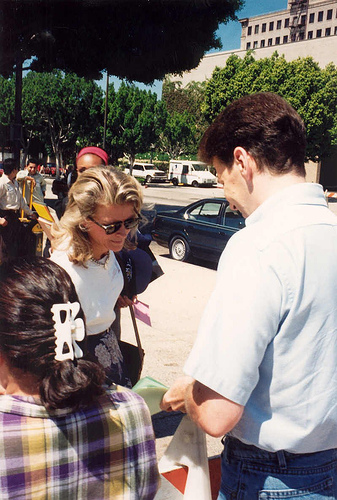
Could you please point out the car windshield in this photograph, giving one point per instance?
(199, 167)
(150, 167)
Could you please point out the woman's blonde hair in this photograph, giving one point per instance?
(96, 186)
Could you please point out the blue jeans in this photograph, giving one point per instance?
(249, 473)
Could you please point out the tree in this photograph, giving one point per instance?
(179, 135)
(312, 91)
(179, 99)
(134, 121)
(7, 92)
(139, 40)
(61, 109)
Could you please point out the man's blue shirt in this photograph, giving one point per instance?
(268, 337)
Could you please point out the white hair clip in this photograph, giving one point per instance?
(67, 331)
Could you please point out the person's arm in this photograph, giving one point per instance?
(213, 413)
(43, 185)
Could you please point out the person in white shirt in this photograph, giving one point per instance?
(103, 208)
(263, 368)
(12, 232)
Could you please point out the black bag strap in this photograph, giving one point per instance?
(132, 312)
(135, 327)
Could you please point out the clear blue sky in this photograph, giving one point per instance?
(229, 33)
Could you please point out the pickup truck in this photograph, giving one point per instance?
(148, 172)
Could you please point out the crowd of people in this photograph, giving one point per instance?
(262, 371)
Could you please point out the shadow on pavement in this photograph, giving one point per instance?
(165, 424)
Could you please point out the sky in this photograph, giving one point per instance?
(229, 34)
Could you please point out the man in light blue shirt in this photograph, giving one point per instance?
(263, 369)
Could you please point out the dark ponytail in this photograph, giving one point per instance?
(71, 386)
(28, 290)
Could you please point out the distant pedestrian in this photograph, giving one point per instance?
(39, 185)
(13, 232)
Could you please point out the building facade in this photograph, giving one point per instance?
(305, 28)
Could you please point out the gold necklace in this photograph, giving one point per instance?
(100, 263)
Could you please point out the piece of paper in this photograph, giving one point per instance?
(151, 391)
(43, 211)
(142, 312)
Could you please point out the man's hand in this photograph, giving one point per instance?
(213, 413)
(28, 178)
(3, 222)
(174, 399)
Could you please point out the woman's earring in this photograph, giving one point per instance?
(83, 228)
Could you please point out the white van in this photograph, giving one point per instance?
(191, 173)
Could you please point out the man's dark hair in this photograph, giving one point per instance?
(9, 166)
(32, 160)
(266, 126)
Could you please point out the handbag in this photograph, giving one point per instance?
(133, 354)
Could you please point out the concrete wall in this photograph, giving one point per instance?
(322, 50)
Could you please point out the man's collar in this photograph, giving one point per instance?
(296, 194)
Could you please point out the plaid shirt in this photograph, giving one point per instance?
(106, 451)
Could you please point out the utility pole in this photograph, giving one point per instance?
(106, 109)
(17, 127)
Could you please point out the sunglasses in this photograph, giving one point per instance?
(115, 226)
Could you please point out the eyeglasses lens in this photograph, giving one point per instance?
(128, 224)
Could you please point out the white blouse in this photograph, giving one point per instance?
(97, 286)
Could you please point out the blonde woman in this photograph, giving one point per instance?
(103, 208)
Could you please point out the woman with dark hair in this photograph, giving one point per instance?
(61, 434)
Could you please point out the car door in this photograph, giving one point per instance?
(203, 229)
(230, 222)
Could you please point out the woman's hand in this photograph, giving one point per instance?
(3, 222)
(124, 301)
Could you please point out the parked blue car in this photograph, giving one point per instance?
(202, 229)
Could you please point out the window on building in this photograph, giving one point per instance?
(264, 27)
(312, 18)
(285, 39)
(270, 42)
(247, 45)
(255, 45)
(335, 30)
(262, 43)
(303, 20)
(318, 33)
(320, 16)
(256, 29)
(310, 33)
(249, 30)
(301, 35)
(279, 25)
(286, 23)
(329, 14)
(327, 31)
(271, 26)
(277, 40)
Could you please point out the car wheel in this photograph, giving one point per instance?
(179, 249)
(148, 179)
(195, 184)
(175, 181)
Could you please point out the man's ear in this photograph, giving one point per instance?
(244, 162)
